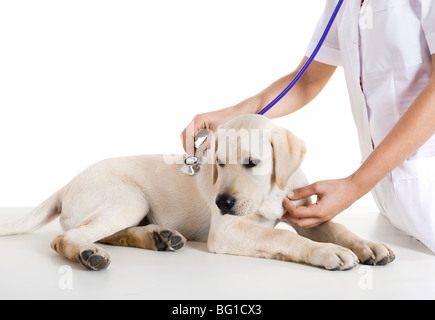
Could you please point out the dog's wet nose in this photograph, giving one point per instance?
(225, 203)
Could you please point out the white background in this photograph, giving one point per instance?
(81, 81)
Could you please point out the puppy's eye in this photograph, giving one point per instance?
(251, 163)
(220, 163)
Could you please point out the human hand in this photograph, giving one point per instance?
(205, 121)
(333, 197)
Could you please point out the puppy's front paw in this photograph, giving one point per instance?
(372, 253)
(333, 257)
(168, 240)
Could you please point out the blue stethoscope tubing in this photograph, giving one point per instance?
(307, 64)
(191, 166)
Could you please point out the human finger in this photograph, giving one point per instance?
(301, 212)
(190, 138)
(304, 192)
(302, 223)
(183, 139)
(205, 144)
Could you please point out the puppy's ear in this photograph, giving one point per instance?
(288, 153)
(213, 158)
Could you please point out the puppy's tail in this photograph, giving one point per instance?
(38, 217)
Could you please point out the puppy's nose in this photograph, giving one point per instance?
(225, 203)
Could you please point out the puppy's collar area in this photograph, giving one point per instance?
(271, 208)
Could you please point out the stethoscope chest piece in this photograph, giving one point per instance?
(191, 166)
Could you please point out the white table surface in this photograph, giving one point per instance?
(29, 269)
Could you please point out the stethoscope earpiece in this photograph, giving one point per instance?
(191, 166)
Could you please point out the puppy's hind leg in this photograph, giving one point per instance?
(78, 244)
(152, 237)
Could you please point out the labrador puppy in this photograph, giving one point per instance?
(146, 202)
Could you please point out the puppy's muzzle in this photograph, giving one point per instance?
(225, 203)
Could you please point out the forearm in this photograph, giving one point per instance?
(415, 127)
(305, 90)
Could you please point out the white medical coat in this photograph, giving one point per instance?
(385, 49)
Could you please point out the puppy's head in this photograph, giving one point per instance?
(250, 156)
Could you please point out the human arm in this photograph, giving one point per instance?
(305, 90)
(415, 127)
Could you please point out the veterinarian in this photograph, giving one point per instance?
(387, 50)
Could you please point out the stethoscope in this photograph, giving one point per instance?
(192, 166)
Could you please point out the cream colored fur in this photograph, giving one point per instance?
(108, 201)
